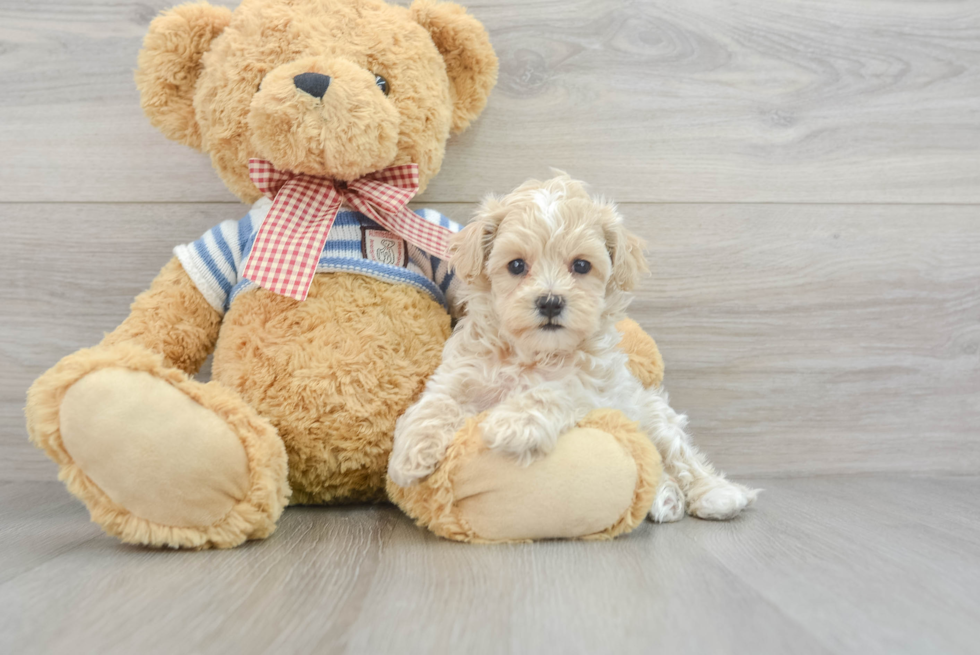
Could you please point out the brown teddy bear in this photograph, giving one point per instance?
(325, 314)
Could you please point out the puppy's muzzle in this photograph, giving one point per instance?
(550, 306)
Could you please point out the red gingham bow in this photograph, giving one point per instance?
(288, 246)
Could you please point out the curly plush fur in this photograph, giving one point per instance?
(645, 361)
(171, 318)
(218, 81)
(333, 374)
(317, 384)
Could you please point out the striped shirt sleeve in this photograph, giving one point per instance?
(214, 262)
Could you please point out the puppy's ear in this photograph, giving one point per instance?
(170, 63)
(625, 250)
(470, 248)
(471, 63)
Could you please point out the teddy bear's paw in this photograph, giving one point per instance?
(668, 504)
(521, 435)
(719, 499)
(159, 459)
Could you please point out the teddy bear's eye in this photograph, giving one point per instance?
(382, 83)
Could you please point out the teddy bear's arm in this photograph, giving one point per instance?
(172, 318)
(645, 360)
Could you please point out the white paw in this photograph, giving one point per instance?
(668, 505)
(518, 434)
(405, 473)
(411, 463)
(720, 499)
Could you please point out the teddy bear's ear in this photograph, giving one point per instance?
(470, 60)
(169, 65)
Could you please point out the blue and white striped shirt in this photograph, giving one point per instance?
(355, 244)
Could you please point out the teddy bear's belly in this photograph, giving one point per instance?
(333, 374)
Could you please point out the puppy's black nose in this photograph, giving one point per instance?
(550, 306)
(313, 83)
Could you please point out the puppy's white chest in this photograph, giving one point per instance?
(502, 383)
(484, 398)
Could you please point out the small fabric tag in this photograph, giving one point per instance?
(384, 247)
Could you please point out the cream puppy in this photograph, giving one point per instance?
(547, 272)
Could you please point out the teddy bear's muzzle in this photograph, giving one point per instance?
(313, 83)
(325, 117)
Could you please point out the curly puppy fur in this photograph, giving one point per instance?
(548, 270)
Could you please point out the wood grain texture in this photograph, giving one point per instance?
(701, 101)
(800, 339)
(820, 338)
(39, 522)
(838, 564)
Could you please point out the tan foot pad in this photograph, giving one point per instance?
(583, 487)
(599, 482)
(153, 450)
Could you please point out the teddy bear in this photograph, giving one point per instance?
(325, 308)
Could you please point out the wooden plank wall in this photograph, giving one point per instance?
(807, 175)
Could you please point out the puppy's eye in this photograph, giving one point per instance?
(581, 266)
(517, 267)
(382, 83)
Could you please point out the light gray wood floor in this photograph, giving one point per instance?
(807, 175)
(833, 564)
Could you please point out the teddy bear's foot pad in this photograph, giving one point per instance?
(598, 482)
(152, 450)
(582, 488)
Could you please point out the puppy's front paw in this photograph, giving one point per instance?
(519, 434)
(668, 504)
(409, 465)
(719, 499)
(405, 473)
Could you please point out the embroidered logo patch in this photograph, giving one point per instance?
(384, 247)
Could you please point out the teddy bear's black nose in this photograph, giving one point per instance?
(313, 83)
